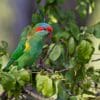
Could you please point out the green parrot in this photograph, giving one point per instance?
(30, 45)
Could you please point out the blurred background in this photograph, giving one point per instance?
(14, 16)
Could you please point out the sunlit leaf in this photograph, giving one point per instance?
(84, 51)
(44, 84)
(23, 77)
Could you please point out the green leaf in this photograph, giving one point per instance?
(80, 74)
(71, 46)
(36, 18)
(90, 71)
(23, 77)
(82, 10)
(74, 29)
(40, 82)
(8, 81)
(73, 98)
(56, 52)
(62, 94)
(48, 87)
(70, 76)
(84, 51)
(3, 48)
(94, 29)
(4, 44)
(72, 62)
(44, 84)
(62, 35)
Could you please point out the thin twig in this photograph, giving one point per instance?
(96, 54)
(63, 70)
(96, 60)
(48, 69)
(49, 53)
(34, 95)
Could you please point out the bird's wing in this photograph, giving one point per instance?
(19, 50)
(21, 46)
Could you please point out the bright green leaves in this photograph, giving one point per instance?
(84, 51)
(7, 80)
(44, 84)
(23, 77)
(49, 85)
(56, 52)
(14, 80)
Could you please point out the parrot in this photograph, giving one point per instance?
(30, 45)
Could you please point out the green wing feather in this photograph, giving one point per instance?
(20, 48)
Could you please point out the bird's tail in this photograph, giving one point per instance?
(6, 68)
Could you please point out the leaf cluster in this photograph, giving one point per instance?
(65, 74)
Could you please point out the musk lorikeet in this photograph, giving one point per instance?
(30, 45)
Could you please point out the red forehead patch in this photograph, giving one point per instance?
(49, 29)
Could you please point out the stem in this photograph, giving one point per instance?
(49, 53)
(34, 95)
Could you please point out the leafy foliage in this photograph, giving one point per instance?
(44, 85)
(85, 7)
(65, 74)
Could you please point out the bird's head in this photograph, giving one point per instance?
(44, 27)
